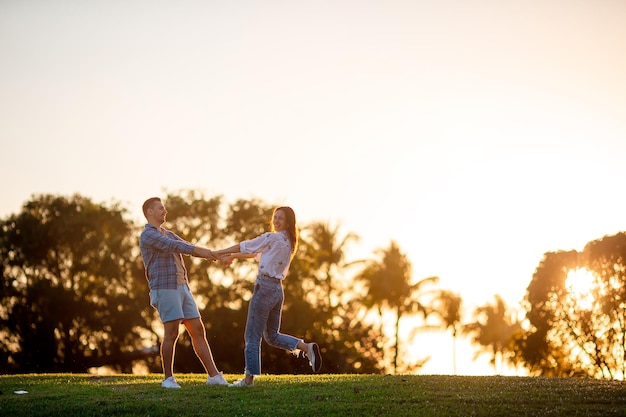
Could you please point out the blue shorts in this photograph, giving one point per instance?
(175, 304)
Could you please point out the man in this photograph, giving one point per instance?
(162, 251)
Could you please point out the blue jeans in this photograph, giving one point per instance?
(264, 315)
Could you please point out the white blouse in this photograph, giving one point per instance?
(272, 250)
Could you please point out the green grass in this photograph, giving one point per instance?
(311, 395)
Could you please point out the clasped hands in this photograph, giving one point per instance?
(225, 258)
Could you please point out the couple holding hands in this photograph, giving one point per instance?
(162, 252)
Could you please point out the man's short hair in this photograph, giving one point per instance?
(148, 204)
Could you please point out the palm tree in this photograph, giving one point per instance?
(388, 284)
(449, 310)
(493, 330)
(327, 251)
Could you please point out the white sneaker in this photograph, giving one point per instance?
(315, 357)
(216, 380)
(242, 383)
(170, 383)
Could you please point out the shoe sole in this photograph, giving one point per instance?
(317, 363)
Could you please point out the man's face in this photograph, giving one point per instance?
(158, 212)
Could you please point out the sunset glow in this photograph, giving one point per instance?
(580, 283)
(477, 134)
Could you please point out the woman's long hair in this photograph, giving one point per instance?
(292, 229)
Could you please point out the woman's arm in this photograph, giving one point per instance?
(233, 249)
(228, 255)
(227, 259)
(251, 248)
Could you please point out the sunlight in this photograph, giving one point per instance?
(579, 284)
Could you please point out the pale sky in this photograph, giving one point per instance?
(477, 134)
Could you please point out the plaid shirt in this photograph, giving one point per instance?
(158, 252)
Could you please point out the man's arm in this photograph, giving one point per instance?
(201, 252)
(153, 238)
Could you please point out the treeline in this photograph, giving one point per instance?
(74, 297)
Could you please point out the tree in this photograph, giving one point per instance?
(349, 344)
(448, 308)
(195, 217)
(543, 295)
(326, 249)
(388, 285)
(493, 330)
(574, 334)
(73, 290)
(73, 293)
(602, 337)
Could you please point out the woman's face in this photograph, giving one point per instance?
(279, 221)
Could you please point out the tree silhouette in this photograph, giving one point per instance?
(326, 249)
(74, 296)
(350, 345)
(493, 330)
(70, 297)
(543, 293)
(604, 338)
(448, 308)
(388, 285)
(574, 334)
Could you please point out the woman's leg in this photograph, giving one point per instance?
(258, 311)
(274, 337)
(272, 333)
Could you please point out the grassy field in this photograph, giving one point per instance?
(310, 395)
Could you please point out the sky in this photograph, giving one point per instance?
(476, 134)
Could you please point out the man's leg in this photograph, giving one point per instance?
(196, 330)
(170, 336)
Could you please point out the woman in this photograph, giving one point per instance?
(274, 250)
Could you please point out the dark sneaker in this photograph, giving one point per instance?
(315, 357)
